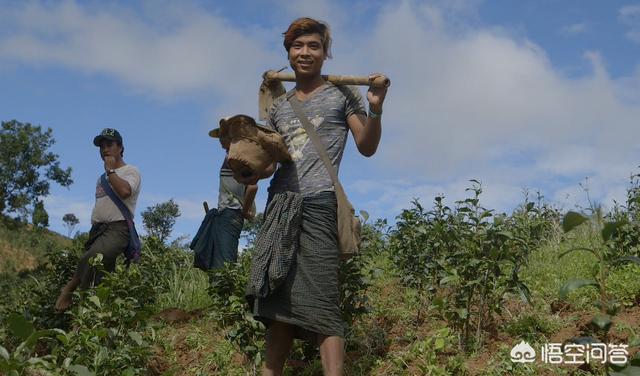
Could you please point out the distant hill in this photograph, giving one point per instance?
(23, 247)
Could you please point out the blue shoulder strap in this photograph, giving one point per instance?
(126, 213)
(132, 253)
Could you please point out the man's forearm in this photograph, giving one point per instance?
(371, 135)
(119, 185)
(249, 196)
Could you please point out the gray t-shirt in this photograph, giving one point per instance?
(328, 110)
(230, 192)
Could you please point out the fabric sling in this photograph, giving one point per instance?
(133, 250)
(349, 226)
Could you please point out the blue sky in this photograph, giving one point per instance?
(518, 94)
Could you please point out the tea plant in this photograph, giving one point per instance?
(608, 256)
(227, 290)
(464, 260)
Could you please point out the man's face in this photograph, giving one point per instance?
(306, 55)
(109, 148)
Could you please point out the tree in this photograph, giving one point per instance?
(70, 222)
(160, 218)
(40, 217)
(27, 166)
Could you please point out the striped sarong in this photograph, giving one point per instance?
(309, 298)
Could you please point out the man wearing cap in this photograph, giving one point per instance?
(109, 234)
(307, 305)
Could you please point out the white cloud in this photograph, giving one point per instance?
(57, 206)
(186, 51)
(630, 16)
(463, 104)
(466, 101)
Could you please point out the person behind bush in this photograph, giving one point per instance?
(109, 234)
(306, 305)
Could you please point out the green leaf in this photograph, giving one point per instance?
(102, 292)
(462, 313)
(575, 284)
(136, 337)
(364, 215)
(95, 300)
(602, 321)
(610, 229)
(572, 220)
(438, 344)
(81, 370)
(449, 279)
(4, 353)
(19, 326)
(530, 206)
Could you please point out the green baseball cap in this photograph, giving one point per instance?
(108, 134)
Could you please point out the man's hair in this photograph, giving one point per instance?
(304, 26)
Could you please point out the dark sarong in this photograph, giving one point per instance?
(309, 299)
(216, 241)
(108, 239)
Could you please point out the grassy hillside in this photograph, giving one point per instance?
(447, 291)
(23, 247)
(402, 335)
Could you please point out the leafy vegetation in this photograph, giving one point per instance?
(465, 260)
(443, 291)
(27, 167)
(160, 219)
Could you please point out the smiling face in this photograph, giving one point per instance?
(306, 55)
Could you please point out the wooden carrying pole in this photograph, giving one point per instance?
(380, 81)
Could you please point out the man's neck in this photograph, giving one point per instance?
(120, 163)
(307, 85)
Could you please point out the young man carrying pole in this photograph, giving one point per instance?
(306, 305)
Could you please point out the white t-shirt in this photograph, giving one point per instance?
(105, 210)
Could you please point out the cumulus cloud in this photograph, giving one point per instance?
(466, 104)
(168, 54)
(57, 206)
(466, 101)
